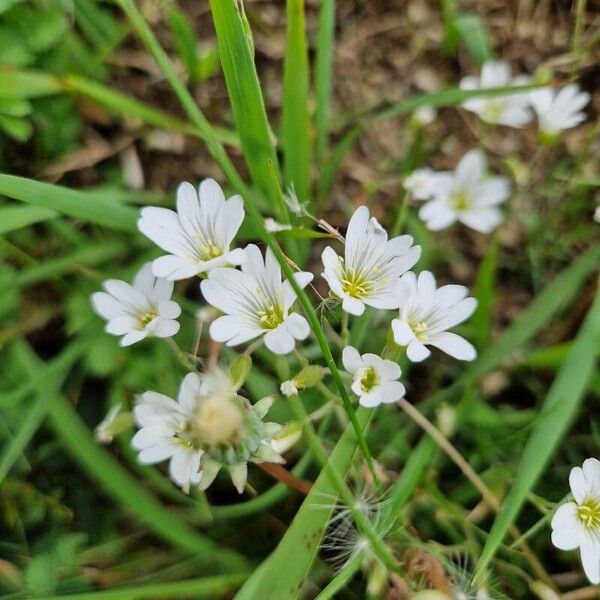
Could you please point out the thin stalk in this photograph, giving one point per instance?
(377, 545)
(489, 497)
(343, 576)
(216, 149)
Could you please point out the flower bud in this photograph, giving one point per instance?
(239, 370)
(309, 376)
(288, 388)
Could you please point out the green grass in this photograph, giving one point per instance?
(84, 521)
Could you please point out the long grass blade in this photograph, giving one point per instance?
(245, 95)
(324, 77)
(16, 217)
(559, 409)
(284, 572)
(296, 121)
(69, 202)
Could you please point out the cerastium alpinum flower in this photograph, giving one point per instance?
(427, 312)
(375, 380)
(209, 427)
(256, 302)
(368, 274)
(198, 236)
(558, 110)
(576, 524)
(140, 310)
(468, 195)
(512, 110)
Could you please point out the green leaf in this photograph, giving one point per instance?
(296, 121)
(473, 33)
(15, 108)
(16, 217)
(17, 128)
(185, 41)
(245, 95)
(207, 588)
(27, 84)
(485, 287)
(69, 202)
(559, 409)
(283, 573)
(324, 77)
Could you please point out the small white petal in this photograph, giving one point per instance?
(351, 359)
(106, 306)
(174, 268)
(590, 559)
(416, 351)
(165, 328)
(578, 484)
(297, 326)
(133, 337)
(353, 306)
(565, 527)
(392, 391)
(454, 346)
(279, 341)
(155, 454)
(403, 334)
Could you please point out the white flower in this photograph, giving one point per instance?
(140, 310)
(288, 388)
(372, 264)
(511, 109)
(597, 214)
(467, 195)
(559, 109)
(375, 379)
(577, 524)
(426, 312)
(427, 183)
(256, 302)
(198, 236)
(163, 424)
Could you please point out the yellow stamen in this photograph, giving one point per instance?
(419, 329)
(146, 318)
(270, 316)
(209, 251)
(588, 513)
(355, 284)
(368, 380)
(460, 201)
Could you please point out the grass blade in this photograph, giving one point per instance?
(324, 77)
(296, 121)
(16, 217)
(69, 202)
(284, 572)
(245, 95)
(557, 413)
(207, 587)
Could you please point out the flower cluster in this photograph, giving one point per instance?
(469, 194)
(211, 426)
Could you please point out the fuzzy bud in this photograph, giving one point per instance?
(288, 388)
(309, 376)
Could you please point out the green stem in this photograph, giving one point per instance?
(377, 545)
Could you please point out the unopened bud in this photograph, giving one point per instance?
(239, 370)
(446, 420)
(309, 376)
(288, 388)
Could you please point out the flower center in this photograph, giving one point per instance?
(420, 329)
(218, 421)
(494, 108)
(460, 200)
(270, 316)
(355, 284)
(146, 318)
(368, 380)
(588, 513)
(208, 251)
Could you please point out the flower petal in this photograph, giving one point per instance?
(590, 559)
(416, 351)
(565, 527)
(279, 341)
(454, 346)
(353, 306)
(351, 359)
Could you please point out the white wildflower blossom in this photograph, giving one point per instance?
(559, 109)
(576, 524)
(509, 109)
(198, 236)
(209, 427)
(256, 302)
(467, 195)
(375, 379)
(368, 274)
(140, 310)
(427, 312)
